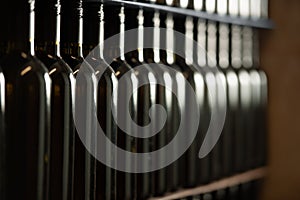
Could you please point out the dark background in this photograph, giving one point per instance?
(280, 58)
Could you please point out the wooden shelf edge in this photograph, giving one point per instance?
(256, 23)
(234, 180)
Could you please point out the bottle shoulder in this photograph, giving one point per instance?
(22, 63)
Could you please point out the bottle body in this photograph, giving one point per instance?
(27, 143)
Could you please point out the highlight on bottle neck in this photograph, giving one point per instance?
(233, 7)
(184, 3)
(156, 37)
(101, 31)
(222, 7)
(122, 33)
(244, 8)
(140, 18)
(212, 44)
(255, 7)
(198, 4)
(247, 43)
(80, 34)
(236, 46)
(189, 36)
(210, 6)
(169, 2)
(224, 46)
(170, 39)
(32, 26)
(201, 38)
(58, 26)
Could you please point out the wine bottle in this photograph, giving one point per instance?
(261, 112)
(116, 25)
(254, 90)
(27, 107)
(72, 53)
(168, 59)
(195, 168)
(62, 125)
(231, 89)
(94, 38)
(146, 95)
(3, 51)
(201, 58)
(244, 98)
(215, 80)
(163, 97)
(2, 133)
(256, 139)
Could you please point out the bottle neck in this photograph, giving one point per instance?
(122, 33)
(148, 36)
(198, 4)
(17, 26)
(170, 39)
(72, 16)
(212, 44)
(222, 7)
(233, 7)
(156, 37)
(223, 46)
(189, 38)
(179, 26)
(57, 28)
(45, 23)
(210, 6)
(244, 8)
(32, 26)
(236, 47)
(255, 50)
(101, 32)
(247, 50)
(115, 26)
(170, 2)
(94, 28)
(141, 36)
(201, 39)
(184, 3)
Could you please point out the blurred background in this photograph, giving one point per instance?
(280, 58)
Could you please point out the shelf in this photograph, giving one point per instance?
(259, 23)
(245, 177)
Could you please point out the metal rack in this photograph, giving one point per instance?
(255, 23)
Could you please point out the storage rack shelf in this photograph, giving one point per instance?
(255, 23)
(235, 180)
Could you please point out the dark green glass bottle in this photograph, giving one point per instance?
(27, 106)
(94, 36)
(62, 125)
(115, 24)
(72, 53)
